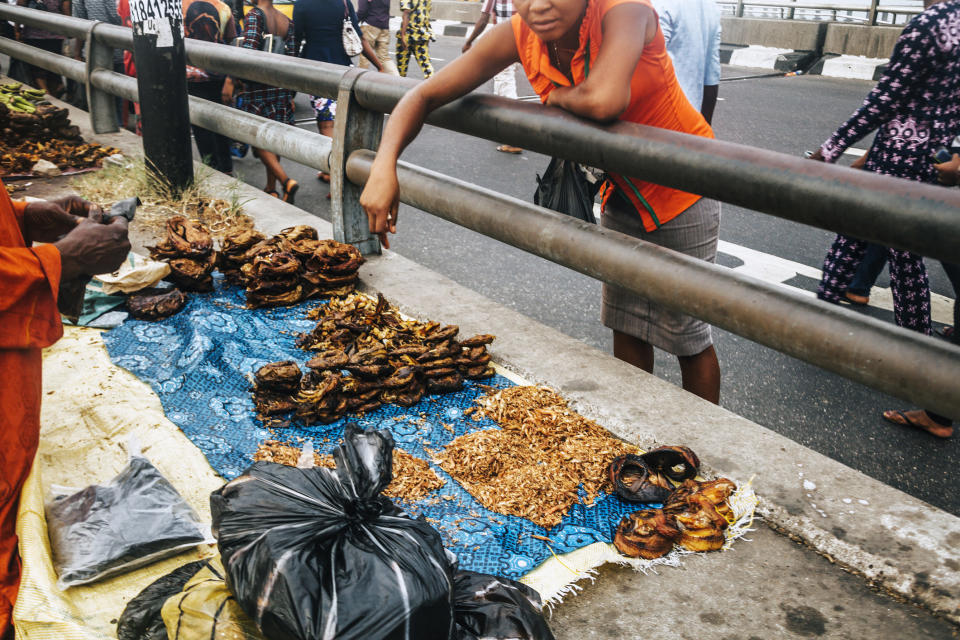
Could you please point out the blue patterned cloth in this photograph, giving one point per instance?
(199, 363)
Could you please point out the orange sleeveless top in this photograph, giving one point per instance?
(655, 99)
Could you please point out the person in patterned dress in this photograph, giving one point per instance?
(915, 108)
(275, 103)
(415, 36)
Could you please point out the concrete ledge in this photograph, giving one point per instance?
(859, 40)
(853, 67)
(785, 34)
(899, 543)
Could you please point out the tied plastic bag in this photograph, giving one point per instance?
(206, 610)
(491, 608)
(567, 188)
(141, 619)
(133, 520)
(319, 553)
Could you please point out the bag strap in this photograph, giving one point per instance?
(346, 11)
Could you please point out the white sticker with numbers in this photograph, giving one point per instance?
(143, 10)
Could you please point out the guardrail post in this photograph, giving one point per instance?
(102, 105)
(354, 128)
(873, 13)
(739, 10)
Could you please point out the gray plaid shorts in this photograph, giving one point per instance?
(694, 233)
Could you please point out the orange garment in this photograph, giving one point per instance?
(656, 99)
(29, 321)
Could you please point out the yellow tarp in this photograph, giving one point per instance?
(90, 409)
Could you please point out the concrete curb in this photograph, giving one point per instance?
(806, 62)
(897, 542)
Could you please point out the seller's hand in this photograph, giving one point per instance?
(817, 155)
(403, 44)
(92, 248)
(381, 200)
(48, 220)
(949, 171)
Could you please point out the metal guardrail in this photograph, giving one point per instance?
(834, 11)
(909, 215)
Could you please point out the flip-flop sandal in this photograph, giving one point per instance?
(632, 480)
(946, 332)
(290, 190)
(506, 148)
(324, 177)
(271, 192)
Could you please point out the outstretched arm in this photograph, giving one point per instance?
(910, 64)
(605, 94)
(380, 197)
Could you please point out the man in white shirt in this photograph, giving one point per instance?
(691, 29)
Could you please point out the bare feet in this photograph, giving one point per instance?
(918, 420)
(506, 148)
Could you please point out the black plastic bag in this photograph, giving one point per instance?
(141, 619)
(319, 553)
(135, 519)
(490, 608)
(564, 187)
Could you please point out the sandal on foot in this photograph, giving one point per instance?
(323, 176)
(271, 192)
(506, 148)
(855, 299)
(944, 430)
(290, 188)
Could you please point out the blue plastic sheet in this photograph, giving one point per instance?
(200, 362)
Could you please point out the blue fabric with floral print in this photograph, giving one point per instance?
(199, 363)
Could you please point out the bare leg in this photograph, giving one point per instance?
(275, 172)
(633, 350)
(701, 374)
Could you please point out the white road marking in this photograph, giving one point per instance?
(855, 152)
(777, 270)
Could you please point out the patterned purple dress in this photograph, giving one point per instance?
(916, 106)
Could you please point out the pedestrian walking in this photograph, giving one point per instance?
(948, 174)
(915, 108)
(586, 57)
(49, 81)
(318, 27)
(505, 82)
(210, 21)
(415, 36)
(691, 29)
(374, 18)
(275, 103)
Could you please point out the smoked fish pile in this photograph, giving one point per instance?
(188, 249)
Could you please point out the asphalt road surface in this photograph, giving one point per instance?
(820, 410)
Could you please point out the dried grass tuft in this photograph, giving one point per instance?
(159, 201)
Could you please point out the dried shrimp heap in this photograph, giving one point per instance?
(412, 477)
(534, 465)
(44, 134)
(188, 249)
